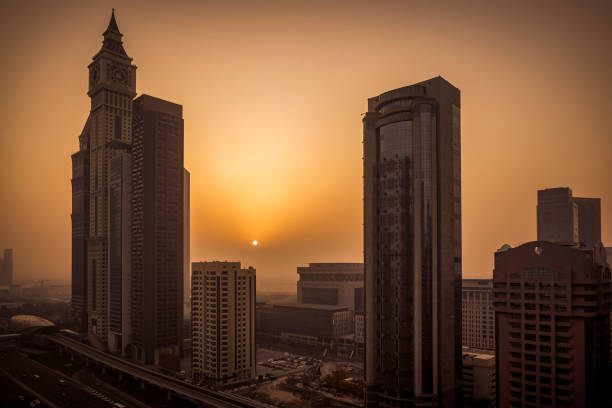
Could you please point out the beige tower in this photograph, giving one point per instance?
(112, 86)
(223, 322)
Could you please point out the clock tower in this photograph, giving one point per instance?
(112, 87)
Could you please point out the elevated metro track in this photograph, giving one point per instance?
(199, 395)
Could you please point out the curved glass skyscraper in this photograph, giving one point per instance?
(412, 241)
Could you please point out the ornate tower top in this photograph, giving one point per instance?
(112, 39)
(112, 68)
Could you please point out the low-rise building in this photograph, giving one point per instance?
(306, 323)
(478, 382)
(339, 284)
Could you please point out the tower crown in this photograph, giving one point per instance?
(112, 68)
(112, 39)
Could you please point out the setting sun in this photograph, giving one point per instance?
(255, 243)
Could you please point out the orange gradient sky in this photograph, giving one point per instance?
(273, 94)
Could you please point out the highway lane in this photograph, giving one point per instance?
(45, 381)
(181, 388)
(13, 395)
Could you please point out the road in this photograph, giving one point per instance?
(208, 397)
(12, 395)
(69, 394)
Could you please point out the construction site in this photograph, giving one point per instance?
(290, 380)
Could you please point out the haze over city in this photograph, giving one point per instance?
(273, 95)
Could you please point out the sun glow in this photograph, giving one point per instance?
(255, 243)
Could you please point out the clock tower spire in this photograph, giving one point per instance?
(111, 66)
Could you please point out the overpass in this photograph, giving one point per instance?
(201, 396)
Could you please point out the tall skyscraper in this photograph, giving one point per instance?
(186, 241)
(119, 245)
(223, 322)
(80, 228)
(6, 268)
(565, 218)
(112, 85)
(412, 228)
(128, 214)
(157, 229)
(478, 315)
(552, 311)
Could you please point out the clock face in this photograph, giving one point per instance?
(118, 75)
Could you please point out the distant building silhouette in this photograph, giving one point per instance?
(223, 322)
(339, 284)
(478, 315)
(552, 306)
(412, 227)
(6, 268)
(564, 218)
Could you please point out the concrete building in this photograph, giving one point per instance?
(552, 306)
(412, 242)
(157, 230)
(186, 245)
(478, 379)
(478, 314)
(119, 248)
(359, 328)
(112, 85)
(127, 214)
(316, 324)
(565, 218)
(80, 228)
(339, 284)
(6, 268)
(223, 322)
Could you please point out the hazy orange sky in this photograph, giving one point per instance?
(273, 94)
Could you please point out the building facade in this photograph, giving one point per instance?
(112, 86)
(119, 248)
(186, 245)
(565, 218)
(478, 314)
(412, 242)
(479, 385)
(339, 284)
(157, 229)
(6, 268)
(552, 306)
(80, 229)
(223, 322)
(128, 225)
(318, 324)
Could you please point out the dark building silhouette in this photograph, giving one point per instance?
(112, 85)
(128, 188)
(412, 227)
(157, 228)
(119, 249)
(552, 312)
(80, 229)
(6, 268)
(564, 218)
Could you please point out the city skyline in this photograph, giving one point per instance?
(283, 170)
